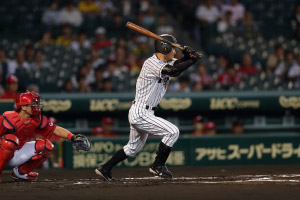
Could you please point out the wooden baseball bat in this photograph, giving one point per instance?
(143, 31)
(150, 34)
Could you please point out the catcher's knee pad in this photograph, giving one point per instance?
(8, 145)
(43, 148)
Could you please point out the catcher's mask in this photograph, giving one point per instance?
(163, 47)
(30, 98)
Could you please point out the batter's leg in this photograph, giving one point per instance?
(136, 142)
(170, 133)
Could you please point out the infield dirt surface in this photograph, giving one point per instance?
(209, 182)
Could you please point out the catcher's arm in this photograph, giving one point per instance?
(81, 142)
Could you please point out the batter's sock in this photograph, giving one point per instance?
(162, 154)
(119, 156)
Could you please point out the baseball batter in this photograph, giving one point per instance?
(17, 130)
(151, 86)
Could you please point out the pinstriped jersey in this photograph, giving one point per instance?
(151, 85)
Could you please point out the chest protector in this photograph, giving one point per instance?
(23, 128)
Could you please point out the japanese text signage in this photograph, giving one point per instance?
(215, 150)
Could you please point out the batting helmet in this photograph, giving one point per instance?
(163, 47)
(30, 98)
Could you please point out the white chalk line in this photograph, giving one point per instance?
(281, 178)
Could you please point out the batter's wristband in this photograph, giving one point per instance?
(70, 135)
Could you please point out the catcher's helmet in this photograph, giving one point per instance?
(30, 98)
(163, 47)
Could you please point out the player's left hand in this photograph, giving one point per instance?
(81, 142)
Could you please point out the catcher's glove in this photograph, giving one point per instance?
(81, 142)
(191, 52)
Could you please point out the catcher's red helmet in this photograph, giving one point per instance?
(29, 98)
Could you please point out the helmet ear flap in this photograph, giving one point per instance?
(163, 47)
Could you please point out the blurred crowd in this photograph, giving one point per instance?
(97, 27)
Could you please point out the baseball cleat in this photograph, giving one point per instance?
(104, 173)
(31, 176)
(161, 171)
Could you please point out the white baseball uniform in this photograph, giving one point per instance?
(23, 155)
(151, 86)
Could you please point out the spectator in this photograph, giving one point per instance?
(297, 34)
(106, 6)
(11, 92)
(68, 86)
(81, 42)
(33, 88)
(144, 5)
(237, 127)
(295, 21)
(39, 62)
(106, 130)
(18, 63)
(96, 60)
(246, 68)
(142, 49)
(210, 128)
(90, 78)
(70, 15)
(66, 36)
(223, 61)
(132, 63)
(97, 86)
(164, 26)
(197, 87)
(121, 43)
(229, 77)
(3, 66)
(101, 41)
(29, 53)
(237, 9)
(275, 59)
(182, 85)
(294, 72)
(55, 158)
(127, 8)
(248, 28)
(120, 60)
(51, 16)
(198, 126)
(107, 85)
(116, 28)
(149, 17)
(202, 77)
(83, 87)
(88, 8)
(283, 68)
(46, 39)
(225, 27)
(206, 15)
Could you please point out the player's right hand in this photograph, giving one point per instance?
(191, 53)
(187, 50)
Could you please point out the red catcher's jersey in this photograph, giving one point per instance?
(25, 128)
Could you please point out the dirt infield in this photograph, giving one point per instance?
(212, 182)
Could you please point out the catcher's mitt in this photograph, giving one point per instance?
(81, 142)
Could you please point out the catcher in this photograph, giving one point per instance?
(18, 128)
